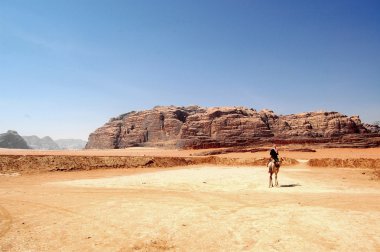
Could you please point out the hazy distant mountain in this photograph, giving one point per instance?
(71, 144)
(45, 143)
(12, 140)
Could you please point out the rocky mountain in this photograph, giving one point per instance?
(71, 144)
(198, 127)
(45, 143)
(11, 139)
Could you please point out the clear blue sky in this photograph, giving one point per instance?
(67, 66)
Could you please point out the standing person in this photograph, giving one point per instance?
(274, 157)
(274, 165)
(274, 153)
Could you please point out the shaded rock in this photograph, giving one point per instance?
(373, 128)
(230, 150)
(302, 150)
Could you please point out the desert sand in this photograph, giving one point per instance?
(195, 208)
(147, 151)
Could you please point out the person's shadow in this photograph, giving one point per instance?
(290, 185)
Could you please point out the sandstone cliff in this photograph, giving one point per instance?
(197, 127)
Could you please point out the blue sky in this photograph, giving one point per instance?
(67, 66)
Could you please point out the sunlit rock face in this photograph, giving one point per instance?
(199, 127)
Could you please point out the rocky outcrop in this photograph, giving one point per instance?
(12, 140)
(45, 143)
(197, 127)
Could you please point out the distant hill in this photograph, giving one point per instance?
(45, 143)
(71, 144)
(12, 140)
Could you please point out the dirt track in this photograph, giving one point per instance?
(191, 209)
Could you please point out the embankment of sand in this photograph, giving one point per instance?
(345, 162)
(49, 163)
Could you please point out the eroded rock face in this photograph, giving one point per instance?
(197, 127)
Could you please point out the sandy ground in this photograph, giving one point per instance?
(320, 153)
(133, 151)
(144, 151)
(200, 208)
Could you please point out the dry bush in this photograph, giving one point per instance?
(153, 245)
(376, 173)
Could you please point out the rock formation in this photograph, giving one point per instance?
(197, 127)
(12, 140)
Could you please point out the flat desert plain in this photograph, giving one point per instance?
(194, 208)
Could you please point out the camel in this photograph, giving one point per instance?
(273, 168)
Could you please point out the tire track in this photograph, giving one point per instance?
(44, 206)
(6, 221)
(66, 213)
